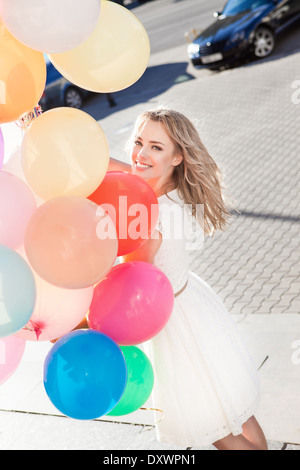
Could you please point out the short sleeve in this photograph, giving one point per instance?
(176, 222)
(169, 218)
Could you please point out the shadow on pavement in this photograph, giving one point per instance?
(263, 215)
(158, 79)
(155, 81)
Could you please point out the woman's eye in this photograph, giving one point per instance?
(137, 142)
(156, 148)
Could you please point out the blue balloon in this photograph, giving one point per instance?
(17, 292)
(85, 374)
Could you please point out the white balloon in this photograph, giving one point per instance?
(13, 165)
(13, 136)
(50, 26)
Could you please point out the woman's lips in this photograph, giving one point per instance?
(142, 166)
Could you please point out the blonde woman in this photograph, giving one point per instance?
(205, 381)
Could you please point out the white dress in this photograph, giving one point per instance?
(206, 384)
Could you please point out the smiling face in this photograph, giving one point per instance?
(154, 156)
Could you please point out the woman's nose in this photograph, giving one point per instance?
(142, 153)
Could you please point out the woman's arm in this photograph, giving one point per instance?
(147, 251)
(117, 165)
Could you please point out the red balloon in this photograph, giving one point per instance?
(132, 303)
(132, 204)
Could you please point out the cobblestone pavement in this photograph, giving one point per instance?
(249, 118)
(255, 266)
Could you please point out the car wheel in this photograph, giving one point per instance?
(73, 98)
(264, 42)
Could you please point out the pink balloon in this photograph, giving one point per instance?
(17, 205)
(57, 311)
(11, 353)
(1, 149)
(132, 303)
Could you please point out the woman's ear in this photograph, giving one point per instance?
(177, 159)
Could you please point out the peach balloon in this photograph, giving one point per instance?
(63, 246)
(17, 205)
(22, 77)
(113, 57)
(57, 311)
(64, 153)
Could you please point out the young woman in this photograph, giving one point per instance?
(205, 381)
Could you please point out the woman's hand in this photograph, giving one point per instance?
(147, 251)
(82, 325)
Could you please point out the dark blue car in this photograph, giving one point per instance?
(59, 91)
(243, 27)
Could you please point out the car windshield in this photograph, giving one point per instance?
(234, 7)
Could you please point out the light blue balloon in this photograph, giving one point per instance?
(17, 292)
(85, 374)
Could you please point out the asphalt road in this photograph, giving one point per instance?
(166, 21)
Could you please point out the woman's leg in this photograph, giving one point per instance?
(234, 443)
(252, 438)
(253, 433)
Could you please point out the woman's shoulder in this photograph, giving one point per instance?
(170, 198)
(170, 211)
(177, 223)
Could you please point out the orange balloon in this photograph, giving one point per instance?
(63, 245)
(22, 77)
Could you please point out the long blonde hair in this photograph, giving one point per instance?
(198, 178)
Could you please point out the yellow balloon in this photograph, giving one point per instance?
(64, 153)
(113, 58)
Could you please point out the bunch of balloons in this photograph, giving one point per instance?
(64, 218)
(98, 45)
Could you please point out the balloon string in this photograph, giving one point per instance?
(155, 409)
(27, 118)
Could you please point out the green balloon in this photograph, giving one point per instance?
(140, 380)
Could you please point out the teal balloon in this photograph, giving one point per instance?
(85, 374)
(17, 292)
(140, 381)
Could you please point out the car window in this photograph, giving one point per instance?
(233, 7)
